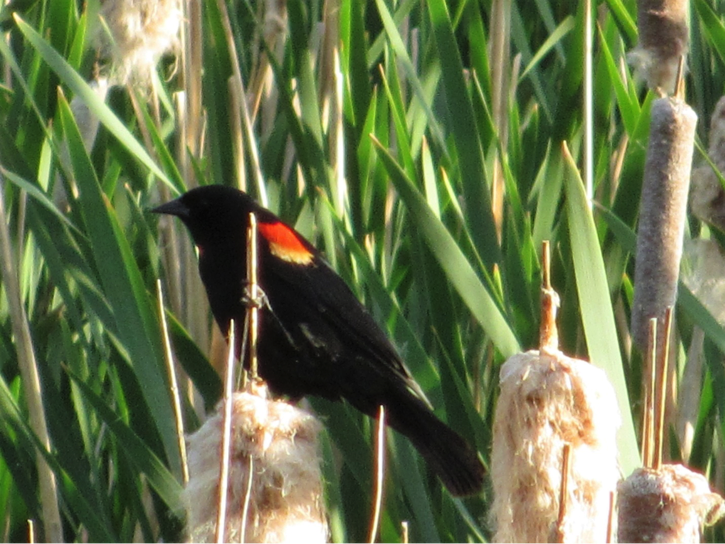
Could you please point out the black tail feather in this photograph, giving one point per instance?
(454, 461)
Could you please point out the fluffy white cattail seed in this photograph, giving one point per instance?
(141, 32)
(549, 400)
(285, 497)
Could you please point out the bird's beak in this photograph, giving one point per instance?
(174, 207)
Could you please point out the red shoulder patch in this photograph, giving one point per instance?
(285, 244)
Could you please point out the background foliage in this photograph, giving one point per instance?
(427, 164)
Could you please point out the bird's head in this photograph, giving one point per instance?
(214, 214)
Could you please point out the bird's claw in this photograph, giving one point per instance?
(255, 300)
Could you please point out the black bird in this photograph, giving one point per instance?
(315, 337)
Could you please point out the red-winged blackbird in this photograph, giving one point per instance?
(315, 337)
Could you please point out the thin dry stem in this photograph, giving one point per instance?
(548, 333)
(253, 296)
(662, 360)
(650, 381)
(546, 264)
(680, 85)
(337, 138)
(178, 250)
(226, 438)
(141, 118)
(247, 500)
(610, 520)
(563, 493)
(617, 165)
(405, 536)
(52, 525)
(175, 396)
(379, 473)
(236, 85)
(190, 120)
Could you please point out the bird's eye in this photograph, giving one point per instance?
(204, 207)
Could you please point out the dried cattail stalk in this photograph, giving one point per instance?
(663, 41)
(32, 385)
(548, 332)
(669, 505)
(549, 400)
(285, 493)
(662, 213)
(141, 32)
(707, 197)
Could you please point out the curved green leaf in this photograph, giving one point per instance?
(596, 307)
(457, 268)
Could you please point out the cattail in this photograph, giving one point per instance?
(549, 400)
(663, 41)
(662, 213)
(280, 443)
(707, 197)
(141, 32)
(669, 505)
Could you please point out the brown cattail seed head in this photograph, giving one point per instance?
(663, 210)
(663, 41)
(669, 505)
